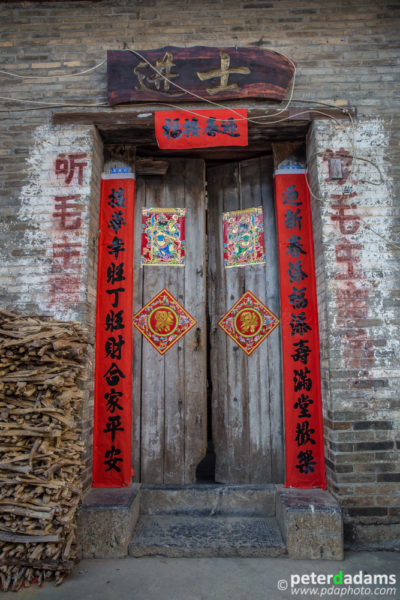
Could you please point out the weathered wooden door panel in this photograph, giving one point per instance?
(169, 392)
(246, 390)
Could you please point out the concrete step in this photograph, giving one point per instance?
(208, 500)
(187, 536)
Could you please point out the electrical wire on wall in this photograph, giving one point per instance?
(351, 139)
(269, 119)
(12, 74)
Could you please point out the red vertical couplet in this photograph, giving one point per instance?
(113, 369)
(305, 465)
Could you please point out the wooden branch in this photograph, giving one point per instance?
(41, 361)
(27, 539)
(49, 565)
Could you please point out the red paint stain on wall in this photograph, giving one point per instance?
(352, 293)
(67, 221)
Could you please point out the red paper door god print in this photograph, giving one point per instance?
(243, 237)
(163, 236)
(249, 322)
(305, 467)
(163, 321)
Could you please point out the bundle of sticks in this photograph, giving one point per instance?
(42, 367)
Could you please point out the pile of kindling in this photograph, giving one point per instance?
(41, 370)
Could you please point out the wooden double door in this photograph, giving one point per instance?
(205, 375)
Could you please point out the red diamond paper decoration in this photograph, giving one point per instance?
(248, 322)
(163, 321)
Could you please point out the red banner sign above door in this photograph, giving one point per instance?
(182, 74)
(180, 129)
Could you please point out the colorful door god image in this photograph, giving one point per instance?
(243, 237)
(163, 236)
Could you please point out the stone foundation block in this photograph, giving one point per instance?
(106, 521)
(311, 523)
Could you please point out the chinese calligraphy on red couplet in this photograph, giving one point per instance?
(179, 129)
(305, 466)
(113, 370)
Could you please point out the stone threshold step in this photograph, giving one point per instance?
(208, 500)
(183, 536)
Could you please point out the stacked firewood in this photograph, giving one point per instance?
(41, 371)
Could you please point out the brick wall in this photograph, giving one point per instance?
(58, 203)
(346, 53)
(358, 283)
(55, 259)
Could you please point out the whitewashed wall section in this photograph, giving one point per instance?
(64, 170)
(354, 217)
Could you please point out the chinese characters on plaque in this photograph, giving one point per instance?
(182, 74)
(305, 466)
(113, 367)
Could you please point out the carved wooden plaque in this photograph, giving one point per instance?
(173, 74)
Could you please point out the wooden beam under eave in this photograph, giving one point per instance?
(119, 156)
(282, 150)
(135, 125)
(142, 117)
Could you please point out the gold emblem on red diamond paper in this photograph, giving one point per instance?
(163, 321)
(248, 322)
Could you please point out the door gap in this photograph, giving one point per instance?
(205, 472)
